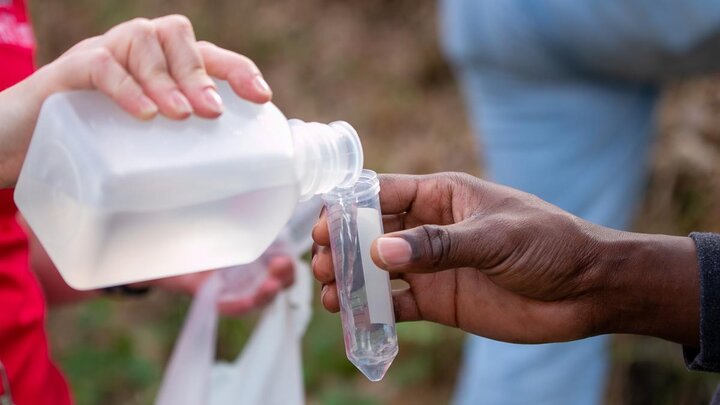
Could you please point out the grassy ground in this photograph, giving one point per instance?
(376, 64)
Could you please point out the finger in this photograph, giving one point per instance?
(322, 265)
(429, 248)
(329, 297)
(397, 192)
(106, 74)
(282, 269)
(320, 232)
(242, 74)
(85, 44)
(405, 306)
(236, 307)
(136, 45)
(400, 222)
(428, 198)
(393, 223)
(186, 66)
(324, 269)
(267, 291)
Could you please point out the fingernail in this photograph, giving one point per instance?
(323, 292)
(393, 251)
(148, 108)
(213, 100)
(261, 85)
(180, 103)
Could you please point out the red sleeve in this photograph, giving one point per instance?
(34, 379)
(17, 44)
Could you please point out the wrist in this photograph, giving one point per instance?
(23, 102)
(648, 285)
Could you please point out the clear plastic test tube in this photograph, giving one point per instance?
(366, 309)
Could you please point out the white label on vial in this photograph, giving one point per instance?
(377, 281)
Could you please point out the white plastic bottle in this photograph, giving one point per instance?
(115, 200)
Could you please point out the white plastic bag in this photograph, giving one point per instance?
(269, 369)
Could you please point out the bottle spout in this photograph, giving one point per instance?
(327, 156)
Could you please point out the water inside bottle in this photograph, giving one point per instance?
(145, 243)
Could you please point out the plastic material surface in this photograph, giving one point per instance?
(366, 309)
(115, 200)
(269, 369)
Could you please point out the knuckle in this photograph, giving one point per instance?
(443, 189)
(139, 21)
(323, 274)
(450, 180)
(467, 182)
(458, 177)
(141, 25)
(179, 22)
(100, 57)
(511, 202)
(202, 44)
(325, 266)
(438, 244)
(141, 29)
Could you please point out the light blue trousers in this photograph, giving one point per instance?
(561, 94)
(555, 142)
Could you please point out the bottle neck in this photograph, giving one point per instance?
(326, 156)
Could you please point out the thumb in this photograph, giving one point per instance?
(427, 248)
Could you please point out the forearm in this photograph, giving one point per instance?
(650, 286)
(20, 108)
(56, 291)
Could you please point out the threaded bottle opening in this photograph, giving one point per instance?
(327, 156)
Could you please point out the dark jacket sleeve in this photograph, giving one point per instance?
(707, 356)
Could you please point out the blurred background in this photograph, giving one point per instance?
(376, 64)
